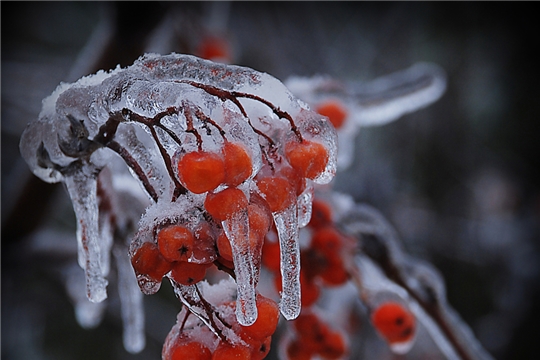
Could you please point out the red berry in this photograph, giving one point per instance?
(226, 351)
(214, 48)
(334, 271)
(260, 220)
(321, 214)
(224, 246)
(185, 348)
(395, 323)
(309, 158)
(238, 165)
(262, 349)
(297, 351)
(334, 346)
(335, 112)
(309, 291)
(204, 250)
(294, 177)
(327, 240)
(267, 319)
(271, 256)
(186, 273)
(175, 243)
(147, 260)
(226, 203)
(277, 191)
(201, 171)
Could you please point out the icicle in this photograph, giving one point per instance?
(82, 189)
(88, 314)
(287, 228)
(131, 300)
(237, 230)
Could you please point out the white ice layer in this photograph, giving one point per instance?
(237, 230)
(287, 228)
(82, 189)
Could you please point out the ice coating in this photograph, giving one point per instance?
(150, 115)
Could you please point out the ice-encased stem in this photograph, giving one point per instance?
(237, 230)
(131, 300)
(82, 189)
(287, 228)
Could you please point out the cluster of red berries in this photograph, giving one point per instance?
(186, 254)
(248, 342)
(314, 337)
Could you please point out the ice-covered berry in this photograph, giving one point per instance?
(277, 191)
(187, 348)
(224, 204)
(147, 260)
(267, 319)
(175, 243)
(201, 171)
(307, 157)
(394, 322)
(186, 273)
(238, 164)
(334, 110)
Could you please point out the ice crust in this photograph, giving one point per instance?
(148, 115)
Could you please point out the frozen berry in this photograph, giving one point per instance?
(395, 323)
(226, 351)
(189, 349)
(309, 158)
(335, 111)
(187, 273)
(201, 171)
(267, 319)
(175, 243)
(238, 165)
(147, 260)
(277, 191)
(224, 204)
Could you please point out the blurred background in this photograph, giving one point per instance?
(459, 179)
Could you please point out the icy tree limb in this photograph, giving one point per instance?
(379, 242)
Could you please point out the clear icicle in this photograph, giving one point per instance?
(237, 230)
(131, 300)
(82, 188)
(287, 228)
(88, 314)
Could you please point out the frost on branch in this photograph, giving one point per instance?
(188, 130)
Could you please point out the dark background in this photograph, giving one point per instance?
(459, 179)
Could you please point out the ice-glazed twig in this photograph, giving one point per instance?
(381, 245)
